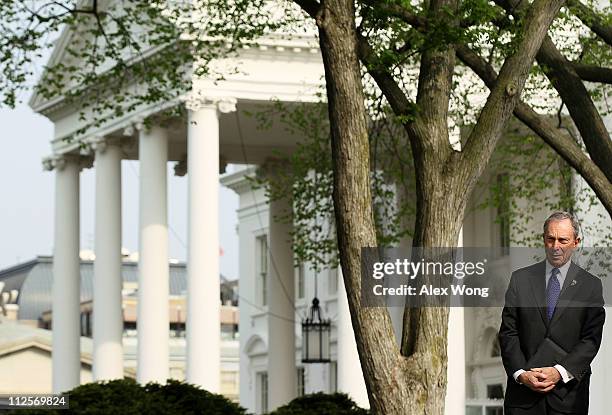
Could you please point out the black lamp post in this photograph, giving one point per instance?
(315, 336)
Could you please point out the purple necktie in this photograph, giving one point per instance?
(552, 293)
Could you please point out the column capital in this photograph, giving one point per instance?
(138, 123)
(148, 125)
(197, 100)
(129, 130)
(59, 161)
(96, 143)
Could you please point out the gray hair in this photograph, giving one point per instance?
(561, 215)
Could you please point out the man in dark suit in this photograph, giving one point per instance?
(555, 307)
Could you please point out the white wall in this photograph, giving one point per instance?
(28, 371)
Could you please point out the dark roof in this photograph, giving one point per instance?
(34, 281)
(13, 277)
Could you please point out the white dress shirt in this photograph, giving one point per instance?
(565, 375)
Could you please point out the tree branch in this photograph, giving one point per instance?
(399, 11)
(67, 10)
(592, 73)
(526, 114)
(417, 21)
(577, 98)
(311, 7)
(400, 104)
(583, 111)
(561, 142)
(592, 20)
(505, 94)
(94, 8)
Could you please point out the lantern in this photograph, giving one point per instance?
(315, 336)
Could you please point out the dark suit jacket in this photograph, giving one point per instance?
(576, 326)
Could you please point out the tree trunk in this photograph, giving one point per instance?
(410, 381)
(397, 384)
(384, 369)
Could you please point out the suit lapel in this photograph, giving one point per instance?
(538, 288)
(569, 290)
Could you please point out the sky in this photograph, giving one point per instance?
(27, 199)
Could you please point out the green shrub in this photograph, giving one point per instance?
(126, 397)
(321, 404)
(192, 400)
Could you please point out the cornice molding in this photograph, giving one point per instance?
(238, 181)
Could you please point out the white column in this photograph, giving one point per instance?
(107, 282)
(454, 403)
(282, 371)
(66, 354)
(203, 298)
(350, 376)
(153, 275)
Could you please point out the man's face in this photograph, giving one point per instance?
(559, 242)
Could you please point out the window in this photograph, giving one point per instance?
(86, 324)
(301, 381)
(333, 377)
(485, 408)
(493, 404)
(229, 382)
(177, 329)
(495, 391)
(229, 331)
(130, 329)
(262, 268)
(300, 286)
(262, 392)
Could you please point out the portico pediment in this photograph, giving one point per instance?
(281, 69)
(68, 55)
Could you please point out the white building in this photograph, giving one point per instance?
(274, 299)
(477, 379)
(25, 350)
(215, 132)
(25, 335)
